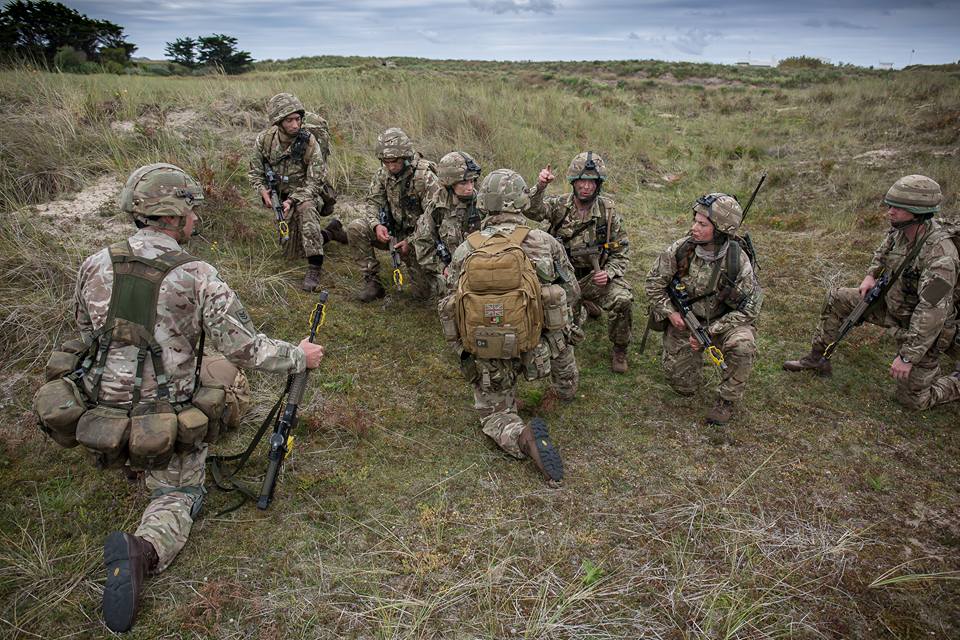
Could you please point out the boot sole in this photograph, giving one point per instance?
(549, 456)
(119, 600)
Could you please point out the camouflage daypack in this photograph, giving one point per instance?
(498, 309)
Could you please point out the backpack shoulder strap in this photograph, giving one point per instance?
(682, 256)
(518, 235)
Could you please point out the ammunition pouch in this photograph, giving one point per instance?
(536, 362)
(66, 360)
(105, 432)
(554, 300)
(212, 403)
(153, 433)
(59, 405)
(448, 318)
(192, 427)
(219, 374)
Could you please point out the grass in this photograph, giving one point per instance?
(824, 511)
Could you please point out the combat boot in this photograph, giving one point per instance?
(550, 400)
(371, 290)
(813, 361)
(128, 559)
(334, 231)
(618, 359)
(311, 281)
(593, 311)
(721, 413)
(534, 442)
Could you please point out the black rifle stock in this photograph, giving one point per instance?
(855, 318)
(283, 229)
(681, 302)
(281, 442)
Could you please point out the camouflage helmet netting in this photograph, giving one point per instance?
(503, 191)
(587, 165)
(915, 193)
(282, 105)
(457, 166)
(723, 211)
(393, 144)
(159, 189)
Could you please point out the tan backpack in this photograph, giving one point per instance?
(499, 313)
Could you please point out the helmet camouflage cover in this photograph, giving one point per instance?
(587, 165)
(503, 191)
(394, 144)
(159, 190)
(282, 105)
(723, 211)
(457, 166)
(917, 194)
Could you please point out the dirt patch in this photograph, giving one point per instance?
(86, 218)
(178, 121)
(877, 156)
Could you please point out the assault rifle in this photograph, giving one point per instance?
(596, 252)
(443, 253)
(281, 442)
(681, 302)
(283, 230)
(387, 220)
(855, 318)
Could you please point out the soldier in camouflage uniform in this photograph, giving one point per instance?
(727, 299)
(595, 239)
(402, 190)
(919, 306)
(298, 161)
(162, 200)
(502, 199)
(454, 214)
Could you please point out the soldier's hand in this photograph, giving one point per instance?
(600, 278)
(867, 284)
(694, 343)
(287, 205)
(403, 247)
(546, 177)
(314, 353)
(676, 320)
(383, 236)
(265, 194)
(899, 369)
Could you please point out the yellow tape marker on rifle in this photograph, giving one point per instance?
(289, 448)
(398, 278)
(716, 356)
(284, 230)
(319, 309)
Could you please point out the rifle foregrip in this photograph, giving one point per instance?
(269, 482)
(297, 388)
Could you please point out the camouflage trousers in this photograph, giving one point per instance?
(925, 387)
(494, 385)
(176, 498)
(616, 299)
(363, 240)
(683, 365)
(306, 239)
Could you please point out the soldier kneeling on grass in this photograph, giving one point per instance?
(129, 392)
(509, 310)
(711, 268)
(918, 263)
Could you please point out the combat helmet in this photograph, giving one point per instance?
(917, 194)
(157, 190)
(723, 211)
(282, 105)
(457, 166)
(394, 144)
(587, 165)
(503, 191)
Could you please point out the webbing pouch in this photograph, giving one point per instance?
(448, 318)
(554, 306)
(153, 433)
(536, 362)
(65, 360)
(495, 343)
(59, 405)
(105, 432)
(212, 402)
(192, 427)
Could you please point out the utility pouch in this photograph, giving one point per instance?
(219, 373)
(554, 300)
(448, 318)
(555, 341)
(153, 433)
(212, 402)
(656, 323)
(105, 432)
(495, 343)
(192, 426)
(536, 362)
(59, 405)
(468, 367)
(65, 360)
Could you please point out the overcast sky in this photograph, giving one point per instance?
(864, 32)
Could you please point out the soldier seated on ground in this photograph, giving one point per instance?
(717, 276)
(294, 157)
(142, 307)
(403, 189)
(920, 259)
(593, 234)
(511, 291)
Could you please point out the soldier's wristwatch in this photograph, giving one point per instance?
(904, 360)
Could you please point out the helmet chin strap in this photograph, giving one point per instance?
(906, 223)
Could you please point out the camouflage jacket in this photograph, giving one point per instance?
(408, 195)
(192, 297)
(741, 307)
(922, 300)
(576, 234)
(299, 180)
(451, 220)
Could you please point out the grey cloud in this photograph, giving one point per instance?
(633, 36)
(430, 36)
(836, 24)
(516, 6)
(695, 41)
